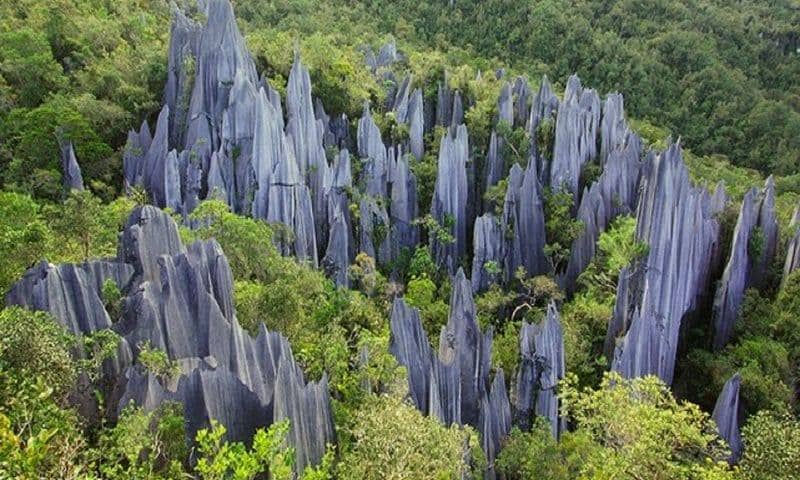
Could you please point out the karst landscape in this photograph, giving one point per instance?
(316, 240)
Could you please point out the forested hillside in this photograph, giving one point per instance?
(399, 239)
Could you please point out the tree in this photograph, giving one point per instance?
(772, 447)
(24, 236)
(643, 430)
(85, 227)
(393, 440)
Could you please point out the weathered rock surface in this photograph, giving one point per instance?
(450, 202)
(726, 416)
(576, 135)
(614, 193)
(542, 366)
(487, 258)
(523, 224)
(72, 293)
(453, 386)
(73, 179)
(793, 249)
(675, 220)
(180, 300)
(756, 228)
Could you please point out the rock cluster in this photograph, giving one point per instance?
(726, 416)
(179, 299)
(542, 366)
(453, 385)
(679, 226)
(755, 240)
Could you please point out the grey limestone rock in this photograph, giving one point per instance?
(73, 179)
(576, 135)
(675, 221)
(450, 201)
(72, 293)
(542, 366)
(726, 416)
(614, 193)
(488, 252)
(793, 249)
(756, 217)
(523, 224)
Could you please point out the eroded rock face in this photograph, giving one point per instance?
(72, 293)
(542, 366)
(450, 202)
(576, 136)
(73, 179)
(180, 300)
(487, 257)
(752, 251)
(726, 416)
(453, 386)
(675, 220)
(614, 193)
(523, 224)
(793, 249)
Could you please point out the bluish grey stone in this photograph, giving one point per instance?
(742, 271)
(542, 366)
(726, 416)
(675, 221)
(451, 198)
(576, 136)
(72, 179)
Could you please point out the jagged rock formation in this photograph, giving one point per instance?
(73, 180)
(614, 193)
(487, 257)
(453, 386)
(523, 230)
(522, 93)
(542, 366)
(793, 249)
(180, 300)
(675, 220)
(72, 293)
(403, 212)
(726, 416)
(544, 109)
(752, 250)
(576, 135)
(341, 244)
(451, 198)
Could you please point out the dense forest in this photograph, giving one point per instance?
(400, 239)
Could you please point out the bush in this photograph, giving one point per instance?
(393, 440)
(772, 447)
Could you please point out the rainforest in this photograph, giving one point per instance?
(446, 239)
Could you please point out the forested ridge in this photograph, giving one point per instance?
(300, 239)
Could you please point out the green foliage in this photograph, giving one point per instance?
(772, 447)
(421, 293)
(220, 459)
(32, 342)
(158, 362)
(28, 66)
(536, 454)
(247, 242)
(143, 444)
(495, 196)
(644, 432)
(516, 143)
(561, 229)
(393, 440)
(112, 299)
(85, 227)
(24, 236)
